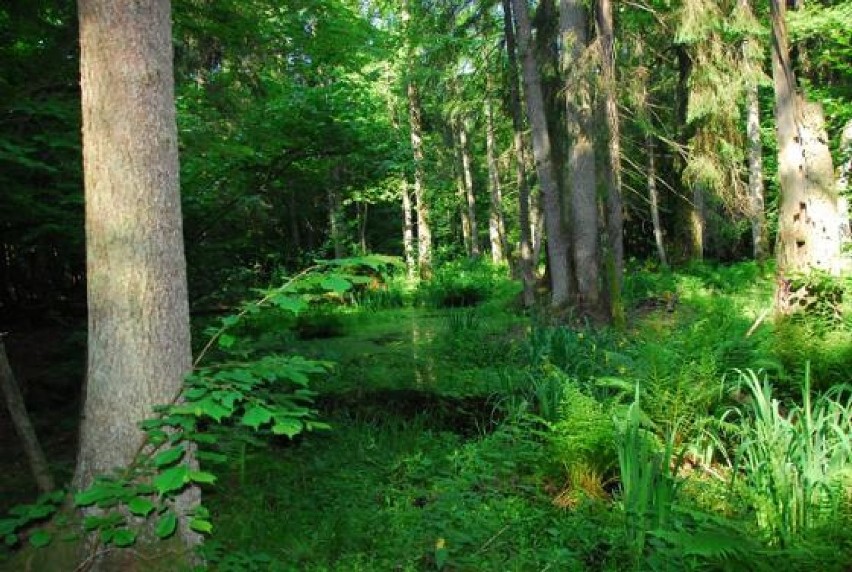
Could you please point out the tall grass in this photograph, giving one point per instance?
(797, 463)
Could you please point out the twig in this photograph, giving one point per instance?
(492, 539)
(757, 322)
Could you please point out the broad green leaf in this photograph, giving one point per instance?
(211, 457)
(201, 525)
(256, 416)
(293, 304)
(124, 537)
(168, 457)
(40, 538)
(172, 479)
(96, 493)
(166, 525)
(336, 283)
(287, 426)
(9, 525)
(195, 393)
(140, 506)
(229, 321)
(10, 539)
(226, 341)
(202, 477)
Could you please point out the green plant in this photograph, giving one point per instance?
(648, 477)
(25, 516)
(796, 463)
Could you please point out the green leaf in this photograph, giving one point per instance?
(40, 538)
(172, 479)
(211, 457)
(201, 525)
(287, 426)
(168, 457)
(10, 539)
(229, 321)
(98, 492)
(124, 537)
(336, 283)
(195, 393)
(289, 303)
(166, 525)
(140, 506)
(226, 341)
(256, 416)
(202, 477)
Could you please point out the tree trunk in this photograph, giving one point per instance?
(23, 426)
(557, 251)
(424, 233)
(408, 232)
(614, 206)
(697, 222)
(581, 154)
(760, 240)
(334, 218)
(470, 194)
(527, 261)
(654, 199)
(139, 337)
(808, 220)
(496, 225)
(461, 190)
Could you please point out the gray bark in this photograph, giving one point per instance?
(469, 192)
(424, 233)
(408, 231)
(138, 314)
(654, 199)
(581, 154)
(809, 226)
(557, 251)
(496, 224)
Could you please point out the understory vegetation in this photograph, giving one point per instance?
(464, 435)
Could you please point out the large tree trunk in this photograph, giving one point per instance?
(808, 220)
(139, 339)
(581, 154)
(526, 247)
(461, 195)
(557, 251)
(335, 222)
(469, 193)
(496, 225)
(424, 233)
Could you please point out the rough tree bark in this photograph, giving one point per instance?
(408, 231)
(654, 200)
(760, 239)
(808, 219)
(139, 339)
(581, 154)
(424, 233)
(557, 251)
(469, 193)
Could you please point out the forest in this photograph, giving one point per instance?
(425, 285)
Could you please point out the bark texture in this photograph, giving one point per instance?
(138, 315)
(557, 251)
(469, 192)
(760, 239)
(496, 224)
(408, 231)
(424, 233)
(809, 225)
(654, 200)
(581, 154)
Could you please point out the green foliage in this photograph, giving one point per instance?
(796, 463)
(463, 283)
(22, 517)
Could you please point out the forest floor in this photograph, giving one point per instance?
(481, 438)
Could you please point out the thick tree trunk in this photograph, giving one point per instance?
(697, 222)
(557, 251)
(496, 224)
(469, 192)
(527, 261)
(23, 426)
(139, 338)
(654, 200)
(760, 240)
(808, 219)
(424, 233)
(581, 154)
